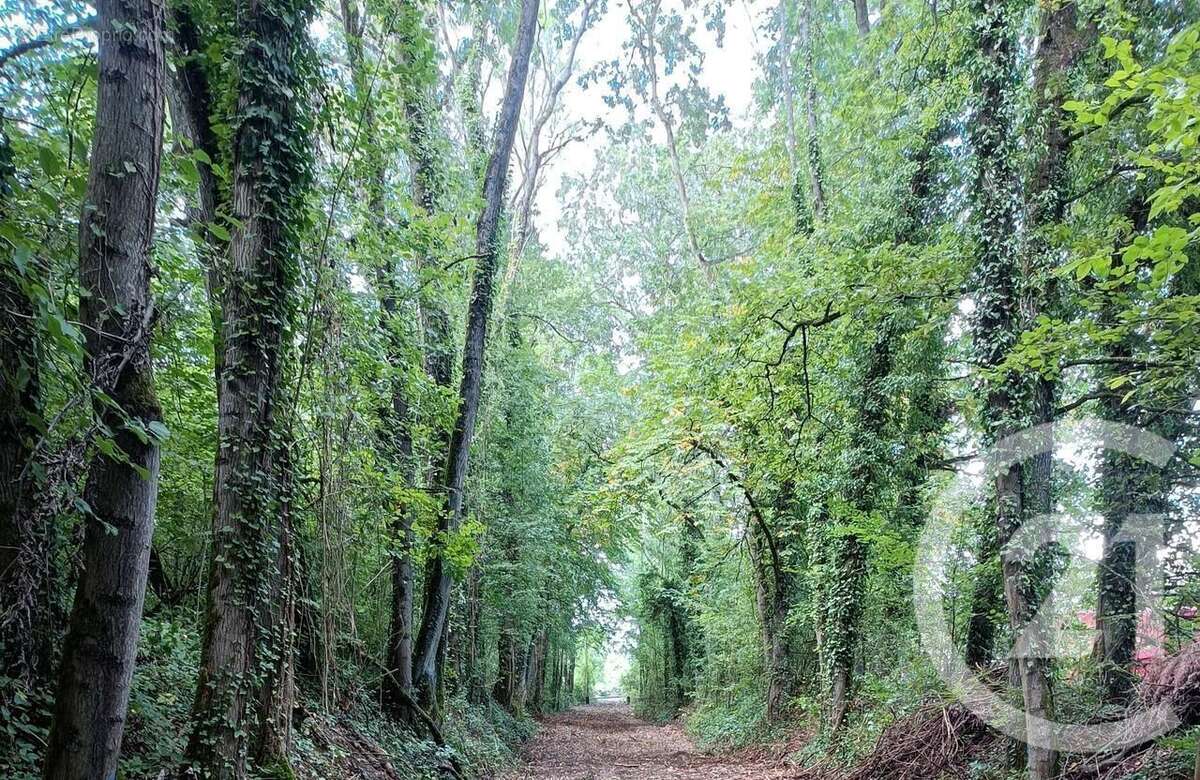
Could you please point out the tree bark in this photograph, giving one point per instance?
(507, 686)
(536, 674)
(771, 602)
(438, 577)
(116, 230)
(427, 193)
(277, 694)
(270, 179)
(472, 670)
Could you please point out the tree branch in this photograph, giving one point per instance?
(48, 39)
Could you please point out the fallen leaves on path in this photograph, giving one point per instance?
(606, 742)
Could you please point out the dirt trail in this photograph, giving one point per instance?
(606, 742)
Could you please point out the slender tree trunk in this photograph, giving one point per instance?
(862, 18)
(191, 102)
(843, 627)
(510, 671)
(647, 46)
(395, 420)
(270, 181)
(115, 234)
(538, 683)
(472, 671)
(800, 206)
(427, 193)
(570, 680)
(816, 176)
(986, 596)
(437, 591)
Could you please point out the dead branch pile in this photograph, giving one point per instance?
(937, 740)
(1176, 681)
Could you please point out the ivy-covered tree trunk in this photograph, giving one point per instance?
(1061, 42)
(271, 161)
(1127, 487)
(428, 185)
(996, 325)
(843, 624)
(116, 230)
(277, 694)
(773, 604)
(439, 577)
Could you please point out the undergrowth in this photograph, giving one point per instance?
(355, 741)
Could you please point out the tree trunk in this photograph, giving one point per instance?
(427, 193)
(509, 671)
(115, 234)
(862, 18)
(801, 210)
(647, 47)
(1125, 488)
(986, 596)
(278, 692)
(537, 682)
(850, 555)
(191, 102)
(472, 669)
(996, 325)
(771, 603)
(570, 679)
(438, 577)
(270, 180)
(816, 179)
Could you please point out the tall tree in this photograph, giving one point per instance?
(650, 27)
(487, 246)
(116, 230)
(997, 321)
(395, 419)
(271, 160)
(816, 174)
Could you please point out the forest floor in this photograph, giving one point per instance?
(606, 742)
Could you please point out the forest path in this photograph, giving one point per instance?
(606, 742)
